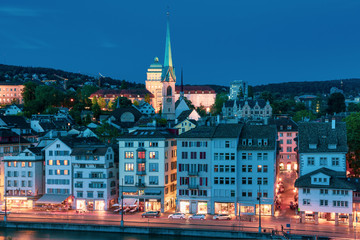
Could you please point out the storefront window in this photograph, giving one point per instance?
(100, 205)
(80, 204)
(265, 209)
(224, 208)
(184, 207)
(202, 207)
(152, 205)
(247, 210)
(281, 166)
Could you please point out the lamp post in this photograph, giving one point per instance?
(122, 203)
(259, 198)
(5, 199)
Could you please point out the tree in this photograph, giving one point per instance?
(102, 103)
(147, 98)
(302, 115)
(136, 103)
(189, 103)
(123, 102)
(353, 107)
(110, 105)
(94, 100)
(162, 122)
(336, 103)
(250, 91)
(96, 110)
(240, 94)
(353, 140)
(220, 99)
(201, 111)
(87, 90)
(28, 92)
(267, 96)
(107, 133)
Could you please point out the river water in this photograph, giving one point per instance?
(9, 234)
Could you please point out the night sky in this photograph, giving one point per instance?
(216, 42)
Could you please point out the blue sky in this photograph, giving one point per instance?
(259, 41)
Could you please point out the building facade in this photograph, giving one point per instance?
(247, 109)
(11, 92)
(147, 169)
(238, 88)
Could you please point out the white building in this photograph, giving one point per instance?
(257, 169)
(95, 177)
(238, 87)
(147, 169)
(24, 178)
(323, 188)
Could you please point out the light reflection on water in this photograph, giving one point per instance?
(7, 234)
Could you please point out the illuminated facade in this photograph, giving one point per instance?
(11, 93)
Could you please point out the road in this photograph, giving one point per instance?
(326, 229)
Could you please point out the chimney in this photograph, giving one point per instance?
(333, 123)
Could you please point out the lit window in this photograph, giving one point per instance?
(66, 162)
(22, 164)
(51, 162)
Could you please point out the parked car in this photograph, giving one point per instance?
(81, 211)
(177, 216)
(197, 217)
(153, 214)
(222, 217)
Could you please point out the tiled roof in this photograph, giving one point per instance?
(148, 133)
(322, 135)
(195, 89)
(285, 122)
(124, 92)
(258, 132)
(9, 137)
(220, 131)
(90, 150)
(16, 121)
(184, 115)
(337, 180)
(36, 150)
(73, 141)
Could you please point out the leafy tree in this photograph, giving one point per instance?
(162, 122)
(336, 103)
(76, 115)
(87, 90)
(94, 100)
(28, 92)
(201, 110)
(110, 105)
(353, 107)
(96, 110)
(107, 133)
(123, 102)
(102, 103)
(147, 98)
(136, 103)
(250, 92)
(189, 103)
(267, 96)
(220, 99)
(353, 140)
(303, 114)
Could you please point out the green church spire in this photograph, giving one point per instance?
(168, 70)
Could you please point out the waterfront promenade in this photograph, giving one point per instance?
(104, 219)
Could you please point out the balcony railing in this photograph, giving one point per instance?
(193, 186)
(140, 185)
(193, 173)
(140, 172)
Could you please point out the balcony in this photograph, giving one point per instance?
(140, 172)
(193, 186)
(140, 160)
(193, 173)
(140, 185)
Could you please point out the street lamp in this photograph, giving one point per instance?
(5, 198)
(122, 203)
(259, 198)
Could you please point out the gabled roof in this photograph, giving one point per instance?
(36, 150)
(322, 135)
(15, 121)
(241, 103)
(9, 137)
(90, 150)
(284, 122)
(337, 180)
(184, 115)
(258, 132)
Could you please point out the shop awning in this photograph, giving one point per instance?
(152, 192)
(129, 202)
(53, 198)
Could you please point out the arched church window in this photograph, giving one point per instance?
(168, 90)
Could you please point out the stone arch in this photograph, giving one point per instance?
(168, 91)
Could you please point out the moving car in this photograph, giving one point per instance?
(177, 216)
(153, 214)
(222, 217)
(197, 217)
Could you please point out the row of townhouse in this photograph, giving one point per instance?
(77, 173)
(215, 169)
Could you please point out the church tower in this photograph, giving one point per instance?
(168, 80)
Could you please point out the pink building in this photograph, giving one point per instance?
(287, 132)
(11, 92)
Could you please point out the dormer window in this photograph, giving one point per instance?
(288, 127)
(281, 127)
(312, 146)
(265, 142)
(244, 142)
(250, 142)
(259, 142)
(331, 146)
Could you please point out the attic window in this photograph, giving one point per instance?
(332, 146)
(250, 142)
(244, 142)
(259, 142)
(288, 127)
(312, 146)
(265, 142)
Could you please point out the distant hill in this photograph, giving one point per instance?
(349, 86)
(24, 74)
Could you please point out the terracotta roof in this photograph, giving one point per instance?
(195, 89)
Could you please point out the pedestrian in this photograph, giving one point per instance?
(282, 228)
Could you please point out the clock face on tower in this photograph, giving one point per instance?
(169, 100)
